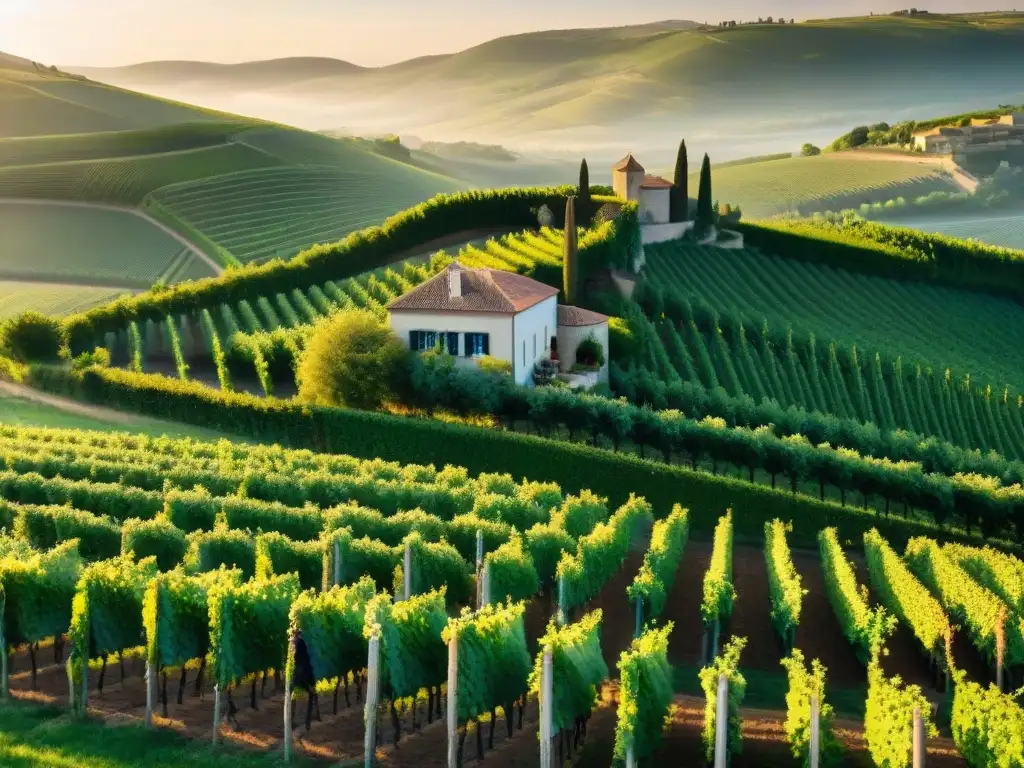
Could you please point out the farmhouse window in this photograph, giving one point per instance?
(421, 341)
(546, 346)
(478, 344)
(451, 343)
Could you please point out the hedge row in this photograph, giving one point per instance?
(896, 252)
(439, 217)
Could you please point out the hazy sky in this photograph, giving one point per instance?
(368, 32)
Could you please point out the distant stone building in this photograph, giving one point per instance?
(980, 136)
(651, 193)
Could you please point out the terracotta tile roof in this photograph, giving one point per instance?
(483, 290)
(577, 317)
(655, 182)
(628, 163)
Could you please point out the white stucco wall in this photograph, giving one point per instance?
(654, 206)
(569, 338)
(527, 325)
(540, 323)
(499, 327)
(627, 185)
(660, 233)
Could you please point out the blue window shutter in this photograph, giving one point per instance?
(487, 343)
(453, 344)
(414, 340)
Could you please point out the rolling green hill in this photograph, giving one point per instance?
(834, 182)
(91, 246)
(235, 188)
(598, 88)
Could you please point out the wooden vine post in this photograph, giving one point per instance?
(479, 563)
(372, 702)
(453, 701)
(151, 673)
(1000, 647)
(4, 675)
(722, 722)
(337, 570)
(485, 586)
(407, 571)
(216, 712)
(150, 680)
(815, 747)
(562, 618)
(918, 739)
(289, 674)
(546, 714)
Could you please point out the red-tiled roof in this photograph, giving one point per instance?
(577, 317)
(655, 182)
(483, 290)
(628, 163)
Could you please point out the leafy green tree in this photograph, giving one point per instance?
(32, 337)
(351, 359)
(584, 205)
(705, 203)
(679, 201)
(809, 150)
(570, 267)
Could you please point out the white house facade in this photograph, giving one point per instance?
(652, 194)
(477, 312)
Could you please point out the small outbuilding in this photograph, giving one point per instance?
(575, 325)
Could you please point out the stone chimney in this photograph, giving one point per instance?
(455, 281)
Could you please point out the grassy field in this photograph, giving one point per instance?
(1007, 231)
(52, 299)
(277, 212)
(29, 413)
(833, 182)
(47, 737)
(89, 246)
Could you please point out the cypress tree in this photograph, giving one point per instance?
(705, 213)
(583, 203)
(680, 200)
(570, 270)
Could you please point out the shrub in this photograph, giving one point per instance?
(351, 359)
(544, 372)
(494, 365)
(809, 150)
(590, 352)
(32, 337)
(99, 356)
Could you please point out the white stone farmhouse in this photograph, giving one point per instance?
(477, 312)
(651, 193)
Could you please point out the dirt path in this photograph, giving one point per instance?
(71, 406)
(962, 178)
(180, 239)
